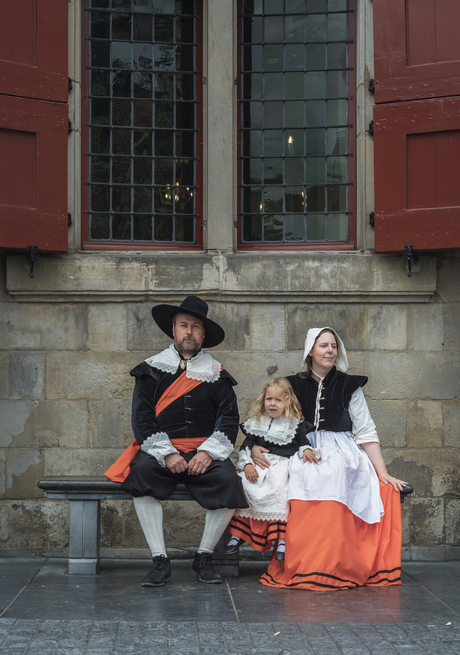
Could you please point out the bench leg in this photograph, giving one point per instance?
(227, 565)
(83, 537)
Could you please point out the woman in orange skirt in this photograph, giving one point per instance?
(344, 527)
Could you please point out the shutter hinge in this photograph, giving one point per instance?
(371, 219)
(411, 259)
(69, 219)
(371, 128)
(371, 87)
(69, 127)
(69, 88)
(205, 81)
(32, 254)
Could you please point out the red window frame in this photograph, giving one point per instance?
(87, 244)
(352, 201)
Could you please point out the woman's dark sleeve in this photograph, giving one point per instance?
(301, 436)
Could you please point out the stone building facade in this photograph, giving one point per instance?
(71, 334)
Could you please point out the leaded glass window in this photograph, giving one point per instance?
(144, 118)
(294, 108)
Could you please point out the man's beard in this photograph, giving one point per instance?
(187, 346)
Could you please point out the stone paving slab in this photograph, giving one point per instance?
(29, 637)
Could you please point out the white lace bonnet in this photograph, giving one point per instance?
(341, 361)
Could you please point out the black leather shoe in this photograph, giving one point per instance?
(234, 548)
(279, 555)
(202, 565)
(159, 573)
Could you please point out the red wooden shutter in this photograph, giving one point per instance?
(33, 124)
(417, 124)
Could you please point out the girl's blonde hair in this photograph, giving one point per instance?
(292, 407)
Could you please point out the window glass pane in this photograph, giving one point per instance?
(316, 5)
(100, 83)
(121, 170)
(143, 113)
(337, 5)
(295, 57)
(184, 200)
(121, 112)
(100, 25)
(314, 170)
(295, 6)
(252, 145)
(100, 54)
(163, 28)
(184, 229)
(316, 113)
(142, 56)
(294, 171)
(252, 199)
(142, 142)
(336, 112)
(164, 143)
(337, 27)
(273, 85)
(315, 199)
(273, 228)
(100, 111)
(295, 199)
(164, 114)
(316, 56)
(185, 144)
(121, 198)
(316, 28)
(294, 227)
(121, 54)
(315, 142)
(337, 227)
(253, 57)
(184, 87)
(142, 27)
(295, 28)
(337, 140)
(142, 228)
(164, 57)
(273, 114)
(184, 58)
(273, 143)
(295, 85)
(336, 198)
(184, 30)
(273, 58)
(163, 228)
(121, 227)
(253, 30)
(273, 199)
(337, 55)
(336, 169)
(164, 171)
(273, 29)
(164, 86)
(121, 27)
(252, 6)
(336, 84)
(121, 142)
(294, 114)
(100, 198)
(185, 115)
(252, 114)
(100, 226)
(142, 170)
(252, 228)
(316, 227)
(100, 169)
(294, 142)
(121, 84)
(273, 6)
(316, 85)
(100, 140)
(142, 200)
(273, 171)
(164, 199)
(184, 171)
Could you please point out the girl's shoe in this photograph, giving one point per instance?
(279, 555)
(233, 546)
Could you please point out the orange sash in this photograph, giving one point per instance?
(120, 469)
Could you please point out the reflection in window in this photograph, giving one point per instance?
(143, 120)
(293, 120)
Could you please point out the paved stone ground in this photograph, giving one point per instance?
(30, 637)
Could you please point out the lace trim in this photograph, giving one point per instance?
(280, 432)
(202, 367)
(154, 440)
(222, 439)
(263, 516)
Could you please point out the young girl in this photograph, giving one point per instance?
(277, 426)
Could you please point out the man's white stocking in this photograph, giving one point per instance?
(150, 515)
(214, 527)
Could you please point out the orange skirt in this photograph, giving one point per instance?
(329, 548)
(259, 534)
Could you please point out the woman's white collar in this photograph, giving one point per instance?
(280, 432)
(201, 367)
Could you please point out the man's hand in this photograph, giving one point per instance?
(258, 458)
(199, 463)
(175, 463)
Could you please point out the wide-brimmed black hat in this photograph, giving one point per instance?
(163, 316)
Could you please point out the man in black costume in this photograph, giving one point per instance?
(185, 419)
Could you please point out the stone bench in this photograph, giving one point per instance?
(84, 494)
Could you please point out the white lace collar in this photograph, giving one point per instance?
(201, 367)
(280, 432)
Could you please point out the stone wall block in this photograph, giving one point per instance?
(89, 375)
(452, 327)
(426, 327)
(107, 327)
(78, 462)
(253, 372)
(424, 424)
(112, 532)
(23, 469)
(4, 386)
(431, 471)
(26, 375)
(451, 422)
(44, 424)
(390, 420)
(183, 523)
(133, 537)
(143, 332)
(427, 521)
(268, 327)
(387, 325)
(110, 423)
(405, 517)
(412, 375)
(349, 321)
(234, 319)
(2, 472)
(448, 275)
(34, 524)
(43, 326)
(452, 520)
(420, 475)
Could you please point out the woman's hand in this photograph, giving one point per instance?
(258, 458)
(310, 455)
(386, 478)
(251, 473)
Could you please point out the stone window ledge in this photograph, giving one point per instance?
(235, 277)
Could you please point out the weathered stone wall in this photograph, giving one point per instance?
(65, 395)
